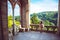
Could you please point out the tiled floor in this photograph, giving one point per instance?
(36, 36)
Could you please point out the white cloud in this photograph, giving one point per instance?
(43, 6)
(17, 10)
(39, 6)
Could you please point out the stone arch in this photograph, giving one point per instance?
(13, 2)
(4, 19)
(24, 10)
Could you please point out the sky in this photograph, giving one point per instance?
(16, 9)
(36, 6)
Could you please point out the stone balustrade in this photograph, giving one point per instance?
(36, 26)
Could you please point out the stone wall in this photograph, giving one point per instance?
(58, 22)
(3, 20)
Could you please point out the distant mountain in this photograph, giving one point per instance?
(51, 16)
(17, 18)
(47, 16)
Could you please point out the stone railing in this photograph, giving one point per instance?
(52, 27)
(11, 32)
(36, 26)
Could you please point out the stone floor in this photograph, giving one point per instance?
(36, 36)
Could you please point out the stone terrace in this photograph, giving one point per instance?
(36, 36)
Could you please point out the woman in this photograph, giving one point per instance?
(41, 25)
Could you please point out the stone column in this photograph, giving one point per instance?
(13, 20)
(27, 15)
(13, 2)
(24, 15)
(58, 18)
(3, 20)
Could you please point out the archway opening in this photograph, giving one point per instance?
(10, 16)
(17, 16)
(44, 10)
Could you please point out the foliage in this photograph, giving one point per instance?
(47, 23)
(34, 19)
(17, 23)
(49, 17)
(10, 21)
(17, 18)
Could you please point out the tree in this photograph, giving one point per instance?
(34, 19)
(17, 18)
(47, 23)
(10, 21)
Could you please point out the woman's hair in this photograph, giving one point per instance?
(41, 22)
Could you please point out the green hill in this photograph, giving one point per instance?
(48, 16)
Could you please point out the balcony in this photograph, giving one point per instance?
(35, 34)
(32, 35)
